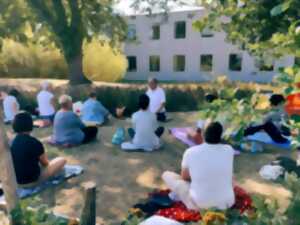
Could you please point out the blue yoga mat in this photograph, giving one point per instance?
(70, 171)
(265, 139)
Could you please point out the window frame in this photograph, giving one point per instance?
(240, 56)
(153, 67)
(135, 63)
(177, 34)
(202, 66)
(176, 65)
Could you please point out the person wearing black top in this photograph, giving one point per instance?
(30, 161)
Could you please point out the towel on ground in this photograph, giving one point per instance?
(266, 139)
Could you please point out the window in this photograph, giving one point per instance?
(155, 32)
(207, 33)
(154, 63)
(180, 29)
(206, 63)
(266, 67)
(132, 66)
(179, 63)
(235, 62)
(131, 32)
(262, 65)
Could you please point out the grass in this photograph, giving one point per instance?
(124, 178)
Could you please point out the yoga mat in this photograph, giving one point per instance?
(180, 133)
(70, 171)
(266, 139)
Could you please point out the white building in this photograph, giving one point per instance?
(171, 49)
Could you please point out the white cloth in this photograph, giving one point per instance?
(157, 97)
(159, 220)
(144, 124)
(211, 170)
(270, 172)
(9, 103)
(77, 107)
(44, 99)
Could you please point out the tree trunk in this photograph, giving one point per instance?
(7, 174)
(76, 75)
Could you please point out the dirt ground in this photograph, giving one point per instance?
(124, 178)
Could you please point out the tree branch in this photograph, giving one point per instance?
(60, 12)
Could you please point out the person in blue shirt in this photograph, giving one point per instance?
(93, 111)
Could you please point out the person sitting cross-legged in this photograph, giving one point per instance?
(10, 106)
(206, 179)
(45, 100)
(30, 160)
(93, 111)
(145, 132)
(68, 129)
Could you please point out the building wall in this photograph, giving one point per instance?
(192, 47)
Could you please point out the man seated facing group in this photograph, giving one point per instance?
(93, 111)
(273, 122)
(45, 100)
(68, 129)
(145, 131)
(157, 99)
(10, 106)
(28, 154)
(206, 179)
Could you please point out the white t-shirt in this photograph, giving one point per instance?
(8, 107)
(44, 99)
(145, 125)
(157, 97)
(211, 170)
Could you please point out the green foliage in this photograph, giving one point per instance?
(63, 23)
(39, 215)
(276, 34)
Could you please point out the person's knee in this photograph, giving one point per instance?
(165, 176)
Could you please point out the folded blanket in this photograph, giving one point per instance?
(69, 172)
(177, 210)
(266, 139)
(180, 133)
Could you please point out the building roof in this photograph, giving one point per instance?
(126, 8)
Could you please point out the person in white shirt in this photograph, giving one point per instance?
(157, 99)
(45, 101)
(145, 132)
(11, 107)
(206, 179)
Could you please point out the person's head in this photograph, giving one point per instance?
(3, 94)
(144, 102)
(213, 133)
(14, 92)
(93, 95)
(152, 83)
(276, 100)
(65, 102)
(46, 86)
(22, 123)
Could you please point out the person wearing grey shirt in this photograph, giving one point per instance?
(273, 121)
(68, 129)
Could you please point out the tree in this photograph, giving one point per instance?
(65, 23)
(264, 27)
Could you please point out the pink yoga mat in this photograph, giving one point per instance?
(180, 133)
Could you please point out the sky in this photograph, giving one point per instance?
(124, 7)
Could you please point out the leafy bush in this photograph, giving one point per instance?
(36, 61)
(39, 215)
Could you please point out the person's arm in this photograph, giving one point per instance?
(102, 109)
(78, 121)
(44, 161)
(163, 101)
(185, 174)
(52, 102)
(15, 107)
